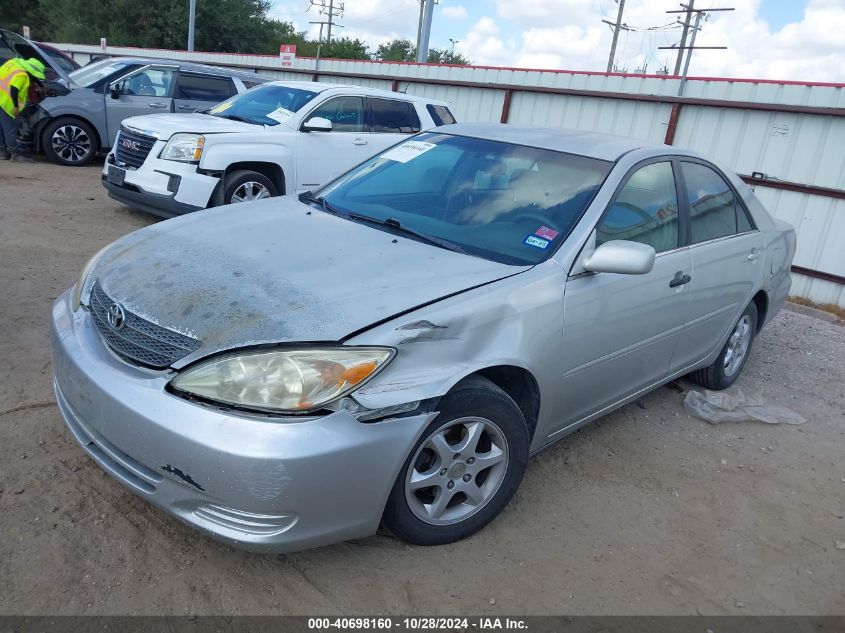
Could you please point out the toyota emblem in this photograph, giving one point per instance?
(116, 316)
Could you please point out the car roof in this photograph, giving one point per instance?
(194, 67)
(592, 144)
(321, 86)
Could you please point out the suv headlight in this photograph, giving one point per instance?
(186, 148)
(283, 380)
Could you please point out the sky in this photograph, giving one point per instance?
(773, 39)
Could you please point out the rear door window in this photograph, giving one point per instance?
(440, 114)
(393, 117)
(714, 210)
(204, 87)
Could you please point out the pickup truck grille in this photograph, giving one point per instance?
(137, 339)
(132, 148)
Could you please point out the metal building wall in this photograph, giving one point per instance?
(793, 146)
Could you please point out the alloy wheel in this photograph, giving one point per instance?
(71, 143)
(456, 471)
(250, 190)
(738, 345)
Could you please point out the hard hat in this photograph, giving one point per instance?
(33, 66)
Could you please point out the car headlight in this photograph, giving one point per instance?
(76, 296)
(284, 380)
(184, 147)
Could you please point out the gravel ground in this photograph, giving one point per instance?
(647, 511)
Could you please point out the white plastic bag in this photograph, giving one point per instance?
(719, 406)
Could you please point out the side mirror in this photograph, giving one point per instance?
(317, 124)
(114, 91)
(621, 256)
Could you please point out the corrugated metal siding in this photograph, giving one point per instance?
(802, 148)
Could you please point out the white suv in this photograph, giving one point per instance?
(277, 138)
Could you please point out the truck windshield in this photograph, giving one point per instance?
(263, 105)
(510, 203)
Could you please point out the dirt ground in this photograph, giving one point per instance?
(647, 511)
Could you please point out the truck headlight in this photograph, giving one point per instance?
(186, 148)
(283, 380)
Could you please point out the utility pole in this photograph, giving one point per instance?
(695, 29)
(689, 10)
(319, 44)
(192, 17)
(617, 26)
(420, 23)
(453, 45)
(328, 8)
(425, 32)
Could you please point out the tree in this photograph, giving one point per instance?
(405, 51)
(397, 51)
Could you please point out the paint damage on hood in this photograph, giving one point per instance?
(278, 271)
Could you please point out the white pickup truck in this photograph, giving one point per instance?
(281, 137)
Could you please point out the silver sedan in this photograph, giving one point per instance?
(392, 347)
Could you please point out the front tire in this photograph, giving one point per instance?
(728, 366)
(69, 141)
(463, 470)
(245, 186)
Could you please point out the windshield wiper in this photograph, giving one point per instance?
(235, 117)
(327, 206)
(394, 225)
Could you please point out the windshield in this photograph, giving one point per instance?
(88, 75)
(509, 203)
(263, 105)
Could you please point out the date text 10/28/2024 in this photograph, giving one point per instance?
(420, 623)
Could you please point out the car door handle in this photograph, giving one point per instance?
(680, 279)
(181, 107)
(157, 105)
(754, 254)
(359, 141)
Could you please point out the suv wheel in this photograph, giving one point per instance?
(245, 186)
(69, 141)
(463, 470)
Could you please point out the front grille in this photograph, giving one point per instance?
(132, 148)
(139, 340)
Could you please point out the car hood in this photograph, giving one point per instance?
(164, 126)
(278, 271)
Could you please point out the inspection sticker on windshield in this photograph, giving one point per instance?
(547, 233)
(279, 114)
(408, 151)
(539, 242)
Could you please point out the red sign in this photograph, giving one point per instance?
(287, 54)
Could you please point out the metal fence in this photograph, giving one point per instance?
(787, 139)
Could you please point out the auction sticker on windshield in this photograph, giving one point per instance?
(533, 240)
(279, 114)
(408, 151)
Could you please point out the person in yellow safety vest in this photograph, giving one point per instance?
(15, 77)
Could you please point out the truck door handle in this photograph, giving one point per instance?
(754, 254)
(359, 141)
(680, 279)
(157, 105)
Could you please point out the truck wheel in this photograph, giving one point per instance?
(245, 186)
(69, 141)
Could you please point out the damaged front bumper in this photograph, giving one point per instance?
(279, 484)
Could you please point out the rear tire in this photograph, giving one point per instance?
(245, 186)
(728, 366)
(473, 454)
(69, 141)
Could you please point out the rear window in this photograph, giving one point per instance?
(397, 117)
(440, 114)
(204, 88)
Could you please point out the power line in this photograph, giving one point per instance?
(331, 9)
